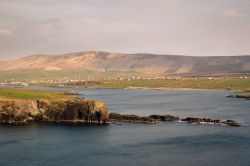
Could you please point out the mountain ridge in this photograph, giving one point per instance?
(151, 64)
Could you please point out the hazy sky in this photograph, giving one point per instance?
(188, 27)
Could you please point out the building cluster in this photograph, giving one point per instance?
(62, 82)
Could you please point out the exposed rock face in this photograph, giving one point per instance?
(74, 111)
(17, 111)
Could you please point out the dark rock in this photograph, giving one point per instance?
(232, 123)
(217, 121)
(241, 96)
(116, 116)
(169, 118)
(210, 121)
(131, 118)
(207, 120)
(191, 120)
(164, 117)
(231, 96)
(156, 117)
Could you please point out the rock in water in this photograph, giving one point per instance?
(191, 120)
(232, 123)
(164, 117)
(131, 118)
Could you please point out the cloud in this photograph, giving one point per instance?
(47, 28)
(231, 13)
(5, 31)
(157, 26)
(173, 2)
(92, 21)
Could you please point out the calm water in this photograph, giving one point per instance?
(163, 144)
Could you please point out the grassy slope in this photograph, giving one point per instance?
(201, 83)
(13, 93)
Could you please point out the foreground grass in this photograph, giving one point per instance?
(232, 83)
(24, 94)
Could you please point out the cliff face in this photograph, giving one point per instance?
(73, 111)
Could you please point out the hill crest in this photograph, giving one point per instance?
(151, 64)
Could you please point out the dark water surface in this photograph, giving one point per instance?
(163, 144)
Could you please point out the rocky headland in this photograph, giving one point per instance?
(71, 111)
(21, 106)
(77, 111)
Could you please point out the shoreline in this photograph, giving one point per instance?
(131, 88)
(160, 89)
(144, 88)
(179, 89)
(25, 107)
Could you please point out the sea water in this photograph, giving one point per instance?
(167, 143)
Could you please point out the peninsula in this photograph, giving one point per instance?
(19, 106)
(23, 106)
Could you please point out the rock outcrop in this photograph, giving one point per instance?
(153, 119)
(164, 117)
(232, 123)
(79, 112)
(72, 111)
(240, 96)
(210, 121)
(131, 118)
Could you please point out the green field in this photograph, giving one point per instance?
(24, 94)
(232, 83)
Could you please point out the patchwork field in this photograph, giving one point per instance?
(231, 83)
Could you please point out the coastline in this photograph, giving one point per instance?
(160, 89)
(25, 107)
(179, 89)
(145, 88)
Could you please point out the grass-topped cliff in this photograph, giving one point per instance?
(25, 94)
(20, 106)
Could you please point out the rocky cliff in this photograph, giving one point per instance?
(72, 111)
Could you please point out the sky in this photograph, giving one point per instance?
(183, 27)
